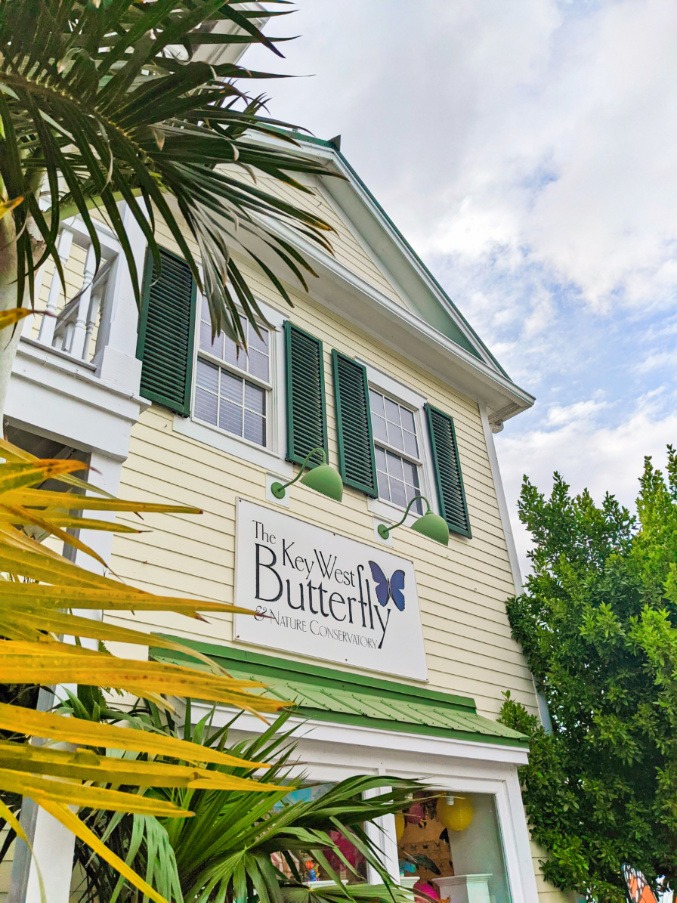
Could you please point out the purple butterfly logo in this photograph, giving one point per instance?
(388, 589)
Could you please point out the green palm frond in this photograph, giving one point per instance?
(224, 852)
(102, 102)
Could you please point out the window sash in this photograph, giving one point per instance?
(386, 443)
(407, 457)
(244, 377)
(236, 371)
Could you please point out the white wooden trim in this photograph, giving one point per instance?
(66, 401)
(330, 752)
(232, 445)
(502, 503)
(510, 544)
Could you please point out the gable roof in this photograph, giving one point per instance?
(435, 314)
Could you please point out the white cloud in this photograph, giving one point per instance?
(658, 360)
(589, 454)
(546, 131)
(580, 413)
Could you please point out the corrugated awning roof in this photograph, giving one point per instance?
(326, 694)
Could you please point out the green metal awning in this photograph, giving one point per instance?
(325, 694)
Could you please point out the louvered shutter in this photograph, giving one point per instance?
(306, 417)
(448, 477)
(353, 424)
(166, 326)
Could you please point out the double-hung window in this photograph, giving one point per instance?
(233, 387)
(397, 450)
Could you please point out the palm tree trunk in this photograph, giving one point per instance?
(9, 338)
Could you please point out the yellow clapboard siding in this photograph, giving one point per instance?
(349, 248)
(462, 589)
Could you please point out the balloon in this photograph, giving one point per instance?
(457, 816)
(399, 826)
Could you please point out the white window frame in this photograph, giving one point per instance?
(384, 510)
(271, 456)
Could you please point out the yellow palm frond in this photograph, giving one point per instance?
(35, 613)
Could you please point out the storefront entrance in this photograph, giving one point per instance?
(466, 839)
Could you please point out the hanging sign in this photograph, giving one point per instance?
(320, 594)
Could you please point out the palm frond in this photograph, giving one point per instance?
(102, 103)
(34, 617)
(227, 850)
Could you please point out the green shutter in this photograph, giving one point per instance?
(448, 477)
(306, 417)
(353, 423)
(166, 327)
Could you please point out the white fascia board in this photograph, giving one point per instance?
(399, 743)
(343, 291)
(216, 54)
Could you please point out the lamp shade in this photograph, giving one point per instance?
(325, 479)
(458, 816)
(432, 526)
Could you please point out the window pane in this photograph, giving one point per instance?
(454, 835)
(392, 411)
(232, 356)
(231, 387)
(256, 343)
(206, 343)
(395, 466)
(230, 417)
(256, 364)
(376, 403)
(417, 507)
(399, 495)
(254, 398)
(216, 347)
(407, 420)
(395, 436)
(378, 426)
(207, 376)
(380, 456)
(410, 473)
(205, 406)
(410, 443)
(383, 487)
(255, 428)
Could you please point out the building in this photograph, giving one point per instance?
(397, 650)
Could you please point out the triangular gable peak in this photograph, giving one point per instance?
(407, 277)
(371, 252)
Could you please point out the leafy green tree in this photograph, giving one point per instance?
(598, 624)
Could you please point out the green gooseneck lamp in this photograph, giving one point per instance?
(429, 524)
(324, 478)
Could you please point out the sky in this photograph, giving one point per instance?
(528, 151)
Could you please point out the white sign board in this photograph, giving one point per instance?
(319, 594)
